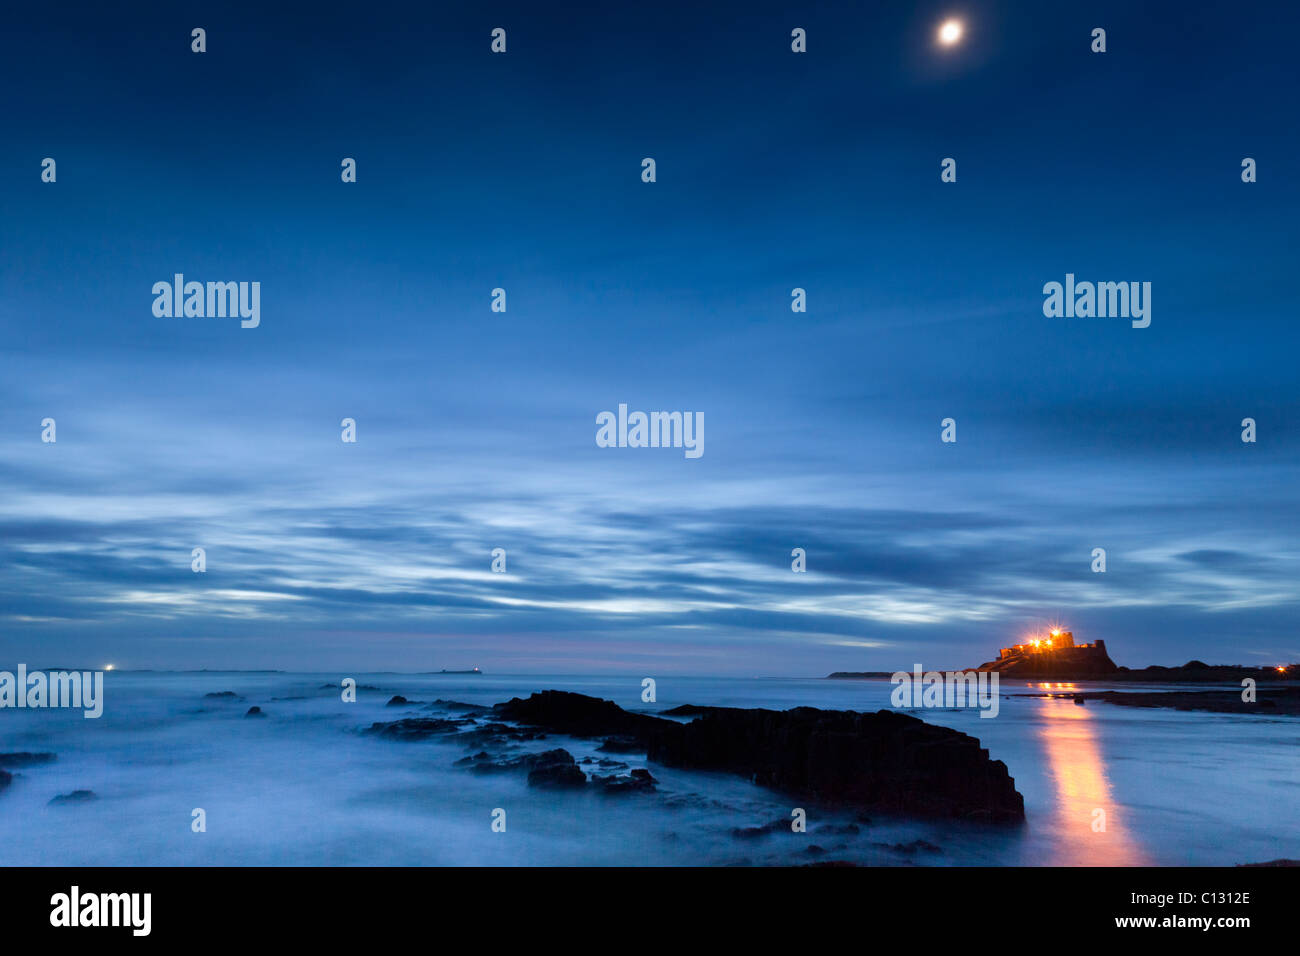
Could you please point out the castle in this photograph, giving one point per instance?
(1054, 654)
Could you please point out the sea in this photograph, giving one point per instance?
(1104, 785)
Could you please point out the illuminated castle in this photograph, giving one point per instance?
(1051, 655)
(1054, 640)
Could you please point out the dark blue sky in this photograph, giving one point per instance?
(477, 429)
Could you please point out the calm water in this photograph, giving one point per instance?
(303, 787)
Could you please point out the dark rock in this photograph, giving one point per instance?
(254, 712)
(839, 828)
(638, 781)
(555, 769)
(835, 863)
(767, 829)
(494, 734)
(551, 769)
(415, 728)
(621, 745)
(578, 715)
(1198, 672)
(690, 710)
(25, 759)
(884, 761)
(76, 796)
(1275, 700)
(397, 700)
(1279, 862)
(456, 706)
(911, 849)
(6, 778)
(222, 695)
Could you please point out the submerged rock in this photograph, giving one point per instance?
(255, 712)
(456, 706)
(766, 829)
(912, 848)
(550, 768)
(638, 781)
(76, 796)
(6, 778)
(415, 728)
(841, 829)
(222, 695)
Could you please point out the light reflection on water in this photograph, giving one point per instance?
(1090, 824)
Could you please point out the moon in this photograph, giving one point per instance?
(950, 32)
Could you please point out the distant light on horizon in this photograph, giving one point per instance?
(951, 31)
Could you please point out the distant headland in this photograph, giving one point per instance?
(1053, 655)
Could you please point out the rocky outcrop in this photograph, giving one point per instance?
(550, 769)
(24, 759)
(578, 715)
(885, 761)
(255, 712)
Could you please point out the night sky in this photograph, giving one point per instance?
(476, 430)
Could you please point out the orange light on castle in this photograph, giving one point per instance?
(1055, 641)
